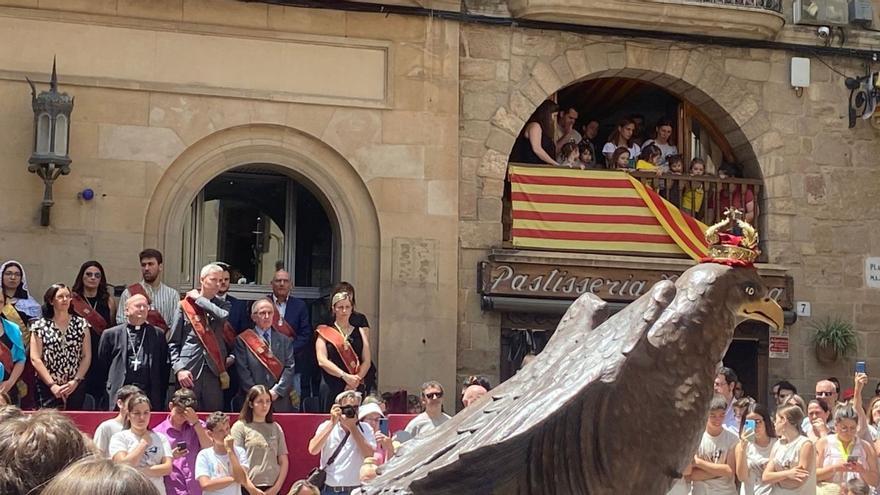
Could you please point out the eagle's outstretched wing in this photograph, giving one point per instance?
(491, 435)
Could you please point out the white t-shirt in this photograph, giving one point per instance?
(787, 456)
(666, 149)
(105, 432)
(213, 465)
(159, 448)
(716, 450)
(345, 470)
(757, 458)
(422, 424)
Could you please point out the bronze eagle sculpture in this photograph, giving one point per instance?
(615, 408)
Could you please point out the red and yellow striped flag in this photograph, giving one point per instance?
(598, 210)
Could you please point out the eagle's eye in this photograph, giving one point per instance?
(750, 290)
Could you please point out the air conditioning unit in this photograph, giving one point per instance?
(861, 13)
(821, 12)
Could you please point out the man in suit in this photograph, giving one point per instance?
(196, 347)
(136, 354)
(292, 320)
(265, 357)
(237, 321)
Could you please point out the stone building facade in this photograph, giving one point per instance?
(401, 127)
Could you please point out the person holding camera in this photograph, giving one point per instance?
(350, 439)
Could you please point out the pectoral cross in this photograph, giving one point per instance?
(136, 363)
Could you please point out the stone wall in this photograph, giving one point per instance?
(169, 93)
(822, 215)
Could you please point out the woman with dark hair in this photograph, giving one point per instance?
(20, 309)
(820, 420)
(92, 300)
(756, 439)
(263, 441)
(535, 142)
(61, 352)
(661, 139)
(621, 137)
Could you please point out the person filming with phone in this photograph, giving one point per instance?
(843, 456)
(343, 442)
(756, 440)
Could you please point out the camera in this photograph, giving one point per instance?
(349, 411)
(824, 32)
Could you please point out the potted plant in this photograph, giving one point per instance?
(833, 338)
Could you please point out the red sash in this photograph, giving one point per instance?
(349, 357)
(260, 349)
(153, 317)
(281, 326)
(228, 334)
(5, 358)
(84, 309)
(196, 317)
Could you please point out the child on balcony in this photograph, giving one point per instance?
(620, 159)
(587, 159)
(676, 168)
(569, 156)
(692, 199)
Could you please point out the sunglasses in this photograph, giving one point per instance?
(434, 395)
(92, 275)
(824, 394)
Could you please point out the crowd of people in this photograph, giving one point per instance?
(185, 455)
(827, 446)
(550, 137)
(81, 345)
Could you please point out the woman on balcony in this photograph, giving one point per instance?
(535, 142)
(662, 134)
(621, 137)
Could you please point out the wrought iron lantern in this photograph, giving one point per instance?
(50, 156)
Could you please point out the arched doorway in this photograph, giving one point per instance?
(315, 179)
(257, 218)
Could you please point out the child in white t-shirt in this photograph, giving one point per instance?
(222, 468)
(114, 425)
(140, 447)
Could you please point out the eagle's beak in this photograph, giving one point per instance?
(765, 310)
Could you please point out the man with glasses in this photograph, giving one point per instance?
(265, 357)
(783, 391)
(428, 421)
(292, 319)
(827, 391)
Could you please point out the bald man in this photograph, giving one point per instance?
(473, 394)
(134, 353)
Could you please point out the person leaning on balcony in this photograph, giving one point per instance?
(649, 159)
(662, 134)
(735, 196)
(535, 142)
(621, 137)
(692, 198)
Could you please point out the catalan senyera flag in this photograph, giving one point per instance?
(600, 211)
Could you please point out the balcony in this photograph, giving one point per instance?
(615, 212)
(747, 19)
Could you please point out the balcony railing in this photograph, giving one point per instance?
(774, 5)
(574, 212)
(705, 197)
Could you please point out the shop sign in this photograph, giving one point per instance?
(611, 284)
(779, 343)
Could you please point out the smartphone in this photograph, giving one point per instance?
(383, 426)
(181, 445)
(750, 424)
(853, 459)
(860, 367)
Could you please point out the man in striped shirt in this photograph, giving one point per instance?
(163, 299)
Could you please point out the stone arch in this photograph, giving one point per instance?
(301, 156)
(690, 73)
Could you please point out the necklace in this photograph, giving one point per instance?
(136, 362)
(345, 336)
